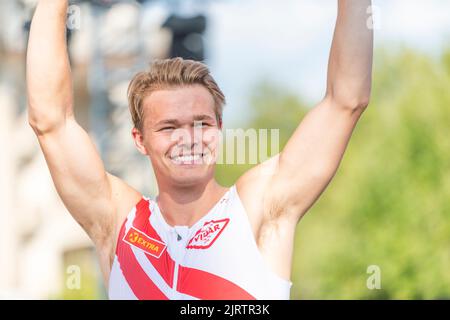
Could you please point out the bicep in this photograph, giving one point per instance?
(80, 177)
(311, 157)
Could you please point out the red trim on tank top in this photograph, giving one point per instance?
(208, 286)
(141, 285)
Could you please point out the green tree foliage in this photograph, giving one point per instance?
(389, 203)
(81, 276)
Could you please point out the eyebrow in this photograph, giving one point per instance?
(168, 121)
(198, 117)
(203, 117)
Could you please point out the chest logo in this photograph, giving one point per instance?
(208, 234)
(140, 240)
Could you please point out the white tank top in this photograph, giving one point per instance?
(215, 259)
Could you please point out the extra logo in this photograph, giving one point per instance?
(208, 234)
(142, 241)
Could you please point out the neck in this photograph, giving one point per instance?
(184, 206)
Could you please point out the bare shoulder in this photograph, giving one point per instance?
(274, 234)
(124, 198)
(123, 195)
(252, 187)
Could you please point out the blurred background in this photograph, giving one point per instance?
(388, 206)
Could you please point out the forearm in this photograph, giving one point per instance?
(49, 82)
(350, 65)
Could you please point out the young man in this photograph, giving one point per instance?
(196, 239)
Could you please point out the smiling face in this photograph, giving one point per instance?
(180, 134)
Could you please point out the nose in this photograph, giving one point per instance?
(189, 139)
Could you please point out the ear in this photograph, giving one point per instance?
(139, 141)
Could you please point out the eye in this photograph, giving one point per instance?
(166, 129)
(201, 124)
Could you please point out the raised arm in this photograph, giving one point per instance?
(350, 66)
(91, 195)
(48, 71)
(301, 172)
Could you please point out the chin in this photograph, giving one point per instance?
(185, 174)
(191, 176)
(188, 181)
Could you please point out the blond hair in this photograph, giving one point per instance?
(171, 73)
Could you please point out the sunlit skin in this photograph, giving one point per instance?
(179, 121)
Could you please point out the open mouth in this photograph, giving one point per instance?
(189, 159)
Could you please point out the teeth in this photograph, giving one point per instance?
(190, 158)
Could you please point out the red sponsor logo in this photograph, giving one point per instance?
(208, 234)
(142, 241)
